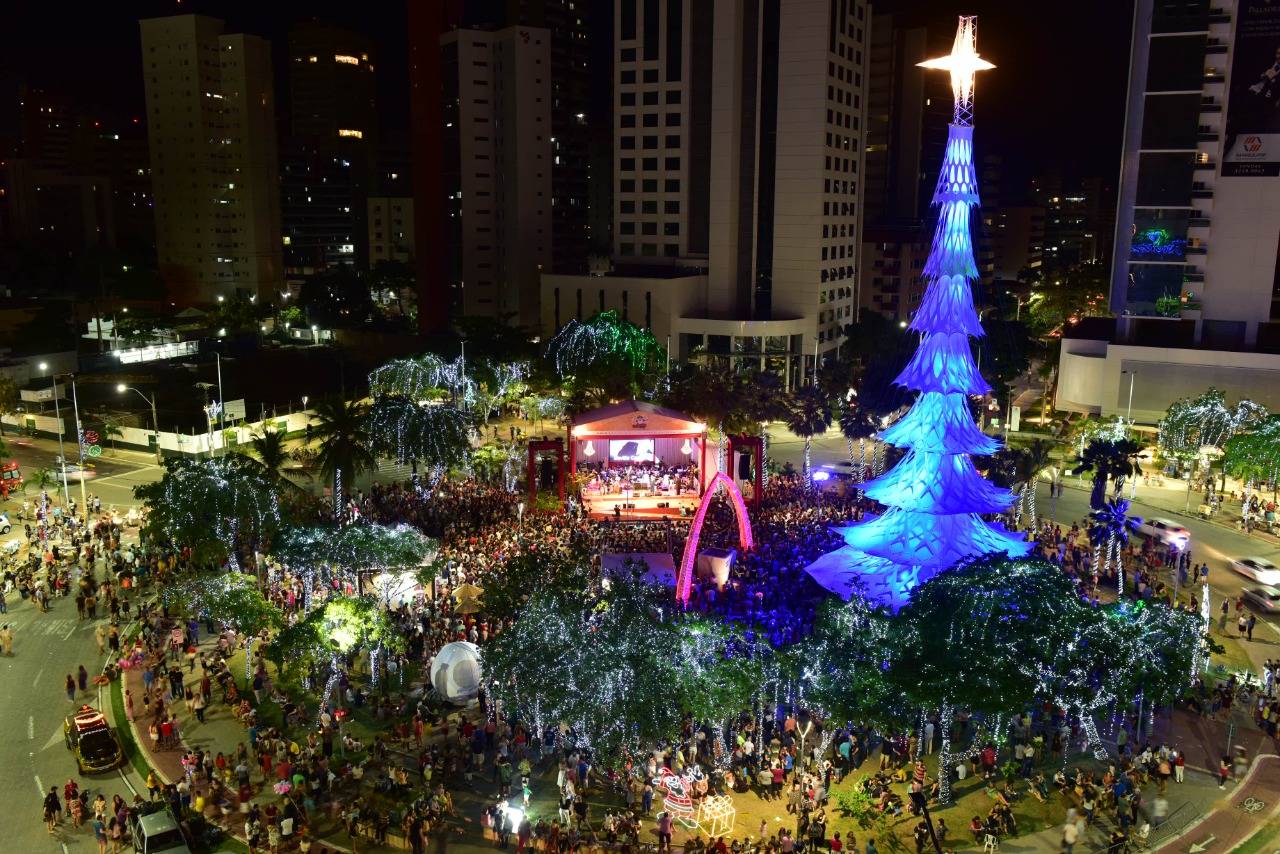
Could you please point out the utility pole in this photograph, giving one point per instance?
(75, 403)
(62, 454)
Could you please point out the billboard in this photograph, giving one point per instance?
(1253, 107)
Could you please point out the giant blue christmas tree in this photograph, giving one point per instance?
(934, 494)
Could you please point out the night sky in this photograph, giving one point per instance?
(1056, 97)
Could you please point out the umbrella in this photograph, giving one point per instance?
(467, 591)
(469, 606)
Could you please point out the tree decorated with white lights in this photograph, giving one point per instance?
(438, 435)
(1254, 455)
(981, 636)
(208, 505)
(351, 553)
(618, 665)
(934, 494)
(843, 664)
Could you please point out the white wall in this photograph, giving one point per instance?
(1092, 378)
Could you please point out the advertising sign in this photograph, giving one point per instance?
(1253, 107)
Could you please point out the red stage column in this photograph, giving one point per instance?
(533, 487)
(560, 460)
(573, 455)
(702, 467)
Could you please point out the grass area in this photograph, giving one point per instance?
(124, 731)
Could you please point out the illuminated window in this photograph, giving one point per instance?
(343, 58)
(311, 59)
(355, 133)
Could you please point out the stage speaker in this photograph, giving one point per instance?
(744, 467)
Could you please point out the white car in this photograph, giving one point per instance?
(1259, 569)
(1165, 531)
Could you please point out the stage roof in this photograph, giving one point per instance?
(634, 418)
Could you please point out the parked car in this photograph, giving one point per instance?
(1257, 568)
(1165, 531)
(1263, 599)
(158, 832)
(94, 743)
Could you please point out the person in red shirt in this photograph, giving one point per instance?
(835, 845)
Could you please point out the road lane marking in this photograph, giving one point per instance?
(37, 679)
(70, 632)
(39, 785)
(31, 726)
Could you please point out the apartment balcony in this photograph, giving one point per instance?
(1201, 221)
(1215, 46)
(1200, 190)
(1193, 275)
(1205, 163)
(1219, 16)
(1213, 75)
(1206, 134)
(1210, 105)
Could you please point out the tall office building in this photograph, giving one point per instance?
(907, 113)
(1194, 282)
(497, 161)
(329, 158)
(211, 122)
(738, 144)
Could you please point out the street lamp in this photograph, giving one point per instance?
(75, 404)
(155, 420)
(62, 454)
(1131, 374)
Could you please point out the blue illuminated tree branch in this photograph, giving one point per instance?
(934, 494)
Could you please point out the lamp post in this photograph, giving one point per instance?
(75, 405)
(62, 454)
(155, 420)
(1129, 415)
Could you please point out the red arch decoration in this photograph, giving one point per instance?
(685, 581)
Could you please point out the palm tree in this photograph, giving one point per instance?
(268, 453)
(809, 416)
(1109, 460)
(857, 424)
(1111, 522)
(763, 400)
(344, 439)
(112, 431)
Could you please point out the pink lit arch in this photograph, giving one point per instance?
(685, 581)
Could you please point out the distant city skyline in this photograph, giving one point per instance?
(1047, 103)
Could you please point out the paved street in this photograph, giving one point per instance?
(33, 705)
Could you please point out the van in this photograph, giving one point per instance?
(158, 832)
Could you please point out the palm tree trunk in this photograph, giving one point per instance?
(808, 468)
(876, 458)
(1035, 487)
(944, 753)
(1111, 552)
(1017, 507)
(337, 494)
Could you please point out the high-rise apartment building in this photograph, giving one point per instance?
(1194, 282)
(498, 158)
(738, 144)
(211, 127)
(329, 158)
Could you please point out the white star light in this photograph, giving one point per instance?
(963, 62)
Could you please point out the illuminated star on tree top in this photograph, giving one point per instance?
(964, 63)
